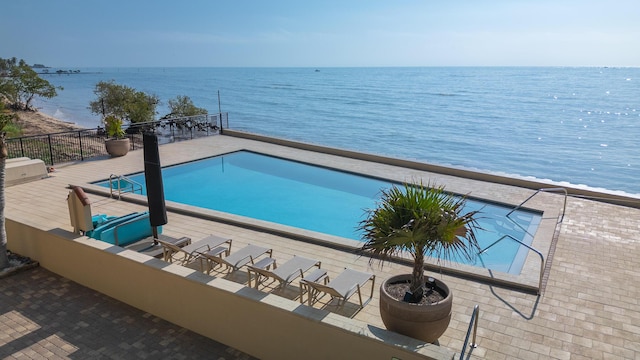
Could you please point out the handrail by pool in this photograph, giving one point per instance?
(560, 189)
(474, 321)
(132, 185)
(528, 247)
(561, 218)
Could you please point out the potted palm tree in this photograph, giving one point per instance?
(420, 221)
(117, 144)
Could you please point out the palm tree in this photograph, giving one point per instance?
(419, 220)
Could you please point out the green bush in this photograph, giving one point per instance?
(113, 125)
(123, 102)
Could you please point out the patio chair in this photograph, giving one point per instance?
(235, 260)
(185, 254)
(342, 287)
(285, 273)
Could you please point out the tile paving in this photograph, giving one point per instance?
(45, 316)
(589, 308)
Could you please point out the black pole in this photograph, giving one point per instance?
(153, 180)
(220, 112)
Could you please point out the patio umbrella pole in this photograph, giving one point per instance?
(154, 230)
(153, 180)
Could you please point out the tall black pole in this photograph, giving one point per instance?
(153, 180)
(220, 111)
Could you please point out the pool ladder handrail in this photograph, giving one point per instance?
(528, 247)
(560, 220)
(475, 316)
(121, 178)
(564, 207)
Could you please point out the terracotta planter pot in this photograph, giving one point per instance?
(422, 322)
(117, 147)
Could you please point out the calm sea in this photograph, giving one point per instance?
(563, 125)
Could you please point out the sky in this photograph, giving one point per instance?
(303, 33)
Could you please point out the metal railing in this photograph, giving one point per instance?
(123, 185)
(564, 207)
(508, 216)
(473, 322)
(182, 128)
(528, 247)
(60, 147)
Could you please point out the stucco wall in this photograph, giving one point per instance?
(264, 325)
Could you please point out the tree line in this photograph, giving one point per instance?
(133, 106)
(20, 85)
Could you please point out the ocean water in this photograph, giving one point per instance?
(574, 126)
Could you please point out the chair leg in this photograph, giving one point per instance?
(211, 265)
(311, 293)
(257, 278)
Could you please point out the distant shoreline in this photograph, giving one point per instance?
(70, 73)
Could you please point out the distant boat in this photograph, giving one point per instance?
(317, 70)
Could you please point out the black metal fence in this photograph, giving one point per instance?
(84, 144)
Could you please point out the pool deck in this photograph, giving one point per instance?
(588, 309)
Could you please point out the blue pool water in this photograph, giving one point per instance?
(318, 199)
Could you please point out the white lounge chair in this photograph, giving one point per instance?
(285, 273)
(342, 287)
(188, 253)
(235, 260)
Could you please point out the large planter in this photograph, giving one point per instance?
(117, 147)
(422, 322)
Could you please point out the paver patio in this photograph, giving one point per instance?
(45, 316)
(589, 308)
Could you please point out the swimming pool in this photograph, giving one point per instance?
(320, 199)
